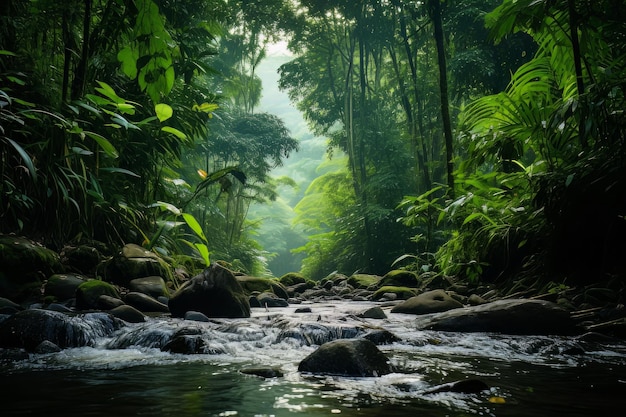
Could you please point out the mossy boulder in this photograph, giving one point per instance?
(63, 286)
(402, 293)
(82, 258)
(293, 278)
(132, 262)
(252, 285)
(88, 293)
(24, 265)
(215, 293)
(363, 281)
(434, 301)
(399, 278)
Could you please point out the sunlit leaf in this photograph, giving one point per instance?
(163, 111)
(497, 400)
(204, 252)
(107, 91)
(194, 225)
(205, 107)
(166, 206)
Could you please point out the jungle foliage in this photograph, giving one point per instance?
(477, 138)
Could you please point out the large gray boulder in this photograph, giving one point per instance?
(347, 357)
(215, 293)
(434, 301)
(516, 316)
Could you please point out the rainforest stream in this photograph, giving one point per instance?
(127, 374)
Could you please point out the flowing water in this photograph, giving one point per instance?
(128, 374)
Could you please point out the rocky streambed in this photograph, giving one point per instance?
(222, 343)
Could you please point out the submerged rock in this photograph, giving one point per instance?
(515, 316)
(353, 357)
(215, 293)
(263, 372)
(466, 386)
(428, 302)
(29, 328)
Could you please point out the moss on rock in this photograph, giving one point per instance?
(24, 264)
(363, 281)
(88, 293)
(260, 285)
(400, 278)
(402, 293)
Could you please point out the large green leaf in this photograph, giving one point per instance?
(25, 157)
(194, 225)
(163, 111)
(104, 144)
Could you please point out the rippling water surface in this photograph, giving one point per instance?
(128, 374)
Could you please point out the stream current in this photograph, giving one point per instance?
(128, 374)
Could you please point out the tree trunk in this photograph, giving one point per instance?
(435, 9)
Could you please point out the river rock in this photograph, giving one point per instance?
(145, 303)
(128, 313)
(268, 299)
(347, 357)
(196, 316)
(107, 302)
(215, 292)
(8, 307)
(428, 302)
(466, 386)
(514, 316)
(381, 337)
(153, 286)
(373, 313)
(28, 328)
(63, 286)
(261, 285)
(132, 262)
(83, 258)
(363, 280)
(390, 293)
(399, 278)
(262, 371)
(46, 347)
(88, 293)
(24, 264)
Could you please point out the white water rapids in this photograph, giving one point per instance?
(127, 373)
